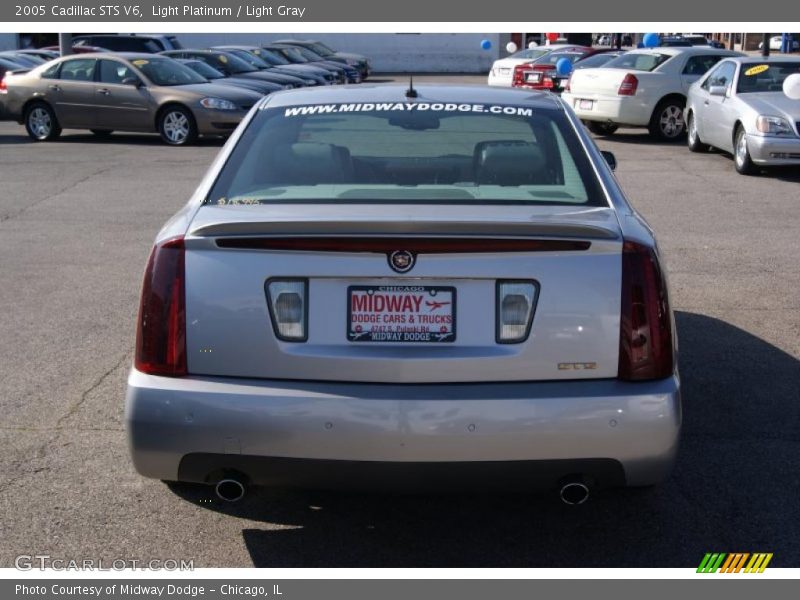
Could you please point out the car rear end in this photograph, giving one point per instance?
(368, 295)
(624, 91)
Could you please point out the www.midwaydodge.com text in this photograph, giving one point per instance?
(162, 11)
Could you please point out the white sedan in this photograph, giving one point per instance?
(776, 43)
(642, 88)
(502, 72)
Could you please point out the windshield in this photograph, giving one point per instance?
(250, 58)
(530, 53)
(308, 53)
(292, 55)
(638, 61)
(204, 69)
(322, 49)
(408, 152)
(271, 57)
(765, 77)
(231, 63)
(553, 57)
(165, 71)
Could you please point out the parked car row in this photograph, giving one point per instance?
(645, 87)
(177, 92)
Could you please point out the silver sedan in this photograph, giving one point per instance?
(740, 107)
(431, 287)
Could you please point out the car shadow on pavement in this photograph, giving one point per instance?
(735, 488)
(134, 139)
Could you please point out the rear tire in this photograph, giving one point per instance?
(600, 128)
(741, 155)
(667, 124)
(177, 126)
(41, 122)
(692, 137)
(102, 133)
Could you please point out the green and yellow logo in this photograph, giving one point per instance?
(744, 562)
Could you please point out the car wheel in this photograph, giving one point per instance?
(177, 127)
(667, 120)
(102, 133)
(599, 128)
(741, 155)
(41, 122)
(693, 138)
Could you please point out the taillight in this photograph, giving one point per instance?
(645, 341)
(519, 77)
(628, 85)
(161, 331)
(3, 86)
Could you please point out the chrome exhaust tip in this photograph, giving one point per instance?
(230, 490)
(574, 493)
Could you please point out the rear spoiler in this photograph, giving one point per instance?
(409, 228)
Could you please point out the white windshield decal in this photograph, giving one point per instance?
(316, 109)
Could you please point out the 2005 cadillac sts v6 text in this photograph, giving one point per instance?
(381, 287)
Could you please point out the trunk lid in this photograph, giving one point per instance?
(603, 82)
(575, 326)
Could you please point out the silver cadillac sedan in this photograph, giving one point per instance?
(424, 288)
(740, 107)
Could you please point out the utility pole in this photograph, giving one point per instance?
(65, 43)
(765, 45)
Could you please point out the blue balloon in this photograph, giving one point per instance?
(650, 40)
(564, 66)
(486, 44)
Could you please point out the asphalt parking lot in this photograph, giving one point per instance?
(77, 218)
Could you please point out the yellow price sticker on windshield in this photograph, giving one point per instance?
(756, 70)
(140, 62)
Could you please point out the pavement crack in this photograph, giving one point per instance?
(76, 407)
(41, 451)
(66, 188)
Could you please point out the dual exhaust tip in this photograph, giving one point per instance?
(572, 492)
(230, 490)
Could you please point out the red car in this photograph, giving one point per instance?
(541, 74)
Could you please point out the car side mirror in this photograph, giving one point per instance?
(718, 90)
(134, 81)
(610, 159)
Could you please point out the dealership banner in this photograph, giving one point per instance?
(319, 11)
(418, 589)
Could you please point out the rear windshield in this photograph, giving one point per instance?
(638, 61)
(408, 152)
(596, 60)
(530, 53)
(765, 77)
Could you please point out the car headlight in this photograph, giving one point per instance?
(352, 62)
(218, 104)
(288, 86)
(769, 125)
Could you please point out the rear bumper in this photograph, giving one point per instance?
(623, 110)
(773, 151)
(193, 428)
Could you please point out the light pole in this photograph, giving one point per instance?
(65, 43)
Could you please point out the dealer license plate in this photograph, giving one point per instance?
(533, 77)
(401, 313)
(585, 104)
